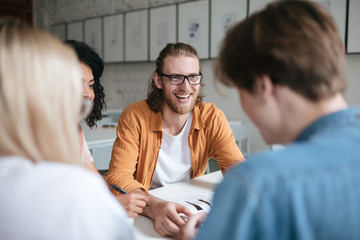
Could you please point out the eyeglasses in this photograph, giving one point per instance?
(193, 79)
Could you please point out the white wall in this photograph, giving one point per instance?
(352, 94)
(126, 83)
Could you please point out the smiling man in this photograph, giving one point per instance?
(170, 136)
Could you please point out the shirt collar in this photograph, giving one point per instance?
(198, 122)
(155, 121)
(330, 121)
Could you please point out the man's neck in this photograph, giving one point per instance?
(307, 112)
(173, 122)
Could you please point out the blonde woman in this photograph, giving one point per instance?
(44, 195)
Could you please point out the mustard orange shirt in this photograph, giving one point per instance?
(139, 136)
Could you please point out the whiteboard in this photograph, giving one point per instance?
(193, 26)
(75, 31)
(114, 38)
(224, 13)
(93, 34)
(136, 36)
(162, 29)
(353, 40)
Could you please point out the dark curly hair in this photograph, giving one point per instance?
(88, 56)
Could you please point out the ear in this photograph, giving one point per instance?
(265, 87)
(157, 80)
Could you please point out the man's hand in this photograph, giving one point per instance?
(133, 202)
(190, 229)
(167, 220)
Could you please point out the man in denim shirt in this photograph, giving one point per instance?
(287, 62)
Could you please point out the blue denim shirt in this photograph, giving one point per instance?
(309, 190)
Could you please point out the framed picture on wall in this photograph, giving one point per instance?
(337, 8)
(224, 13)
(75, 31)
(93, 34)
(114, 38)
(193, 26)
(256, 5)
(162, 28)
(136, 36)
(353, 35)
(59, 30)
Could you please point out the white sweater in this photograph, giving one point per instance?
(51, 200)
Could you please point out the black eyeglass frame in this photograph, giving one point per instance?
(184, 77)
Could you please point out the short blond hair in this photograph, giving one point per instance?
(40, 95)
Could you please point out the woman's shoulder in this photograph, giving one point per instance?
(53, 178)
(77, 200)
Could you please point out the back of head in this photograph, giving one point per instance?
(296, 43)
(40, 95)
(88, 56)
(155, 98)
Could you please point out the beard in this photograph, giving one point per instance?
(177, 107)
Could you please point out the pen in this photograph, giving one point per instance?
(109, 126)
(117, 188)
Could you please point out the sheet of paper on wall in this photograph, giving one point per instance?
(195, 203)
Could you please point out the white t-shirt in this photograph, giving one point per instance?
(49, 200)
(85, 152)
(174, 160)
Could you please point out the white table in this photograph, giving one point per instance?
(144, 227)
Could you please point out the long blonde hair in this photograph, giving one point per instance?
(40, 95)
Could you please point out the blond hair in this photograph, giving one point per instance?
(40, 95)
